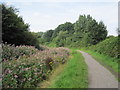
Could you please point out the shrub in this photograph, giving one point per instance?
(108, 47)
(26, 72)
(11, 52)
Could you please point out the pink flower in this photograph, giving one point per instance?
(24, 79)
(35, 73)
(29, 79)
(15, 76)
(25, 69)
(8, 71)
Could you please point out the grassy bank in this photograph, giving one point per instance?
(74, 74)
(107, 61)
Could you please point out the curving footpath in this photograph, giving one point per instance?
(99, 76)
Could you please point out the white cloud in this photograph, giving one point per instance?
(27, 3)
(9, 3)
(36, 14)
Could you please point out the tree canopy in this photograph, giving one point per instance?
(84, 32)
(14, 29)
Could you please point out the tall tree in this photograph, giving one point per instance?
(14, 30)
(48, 35)
(90, 31)
(64, 27)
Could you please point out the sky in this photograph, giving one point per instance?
(48, 14)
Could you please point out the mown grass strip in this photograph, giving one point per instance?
(107, 61)
(74, 74)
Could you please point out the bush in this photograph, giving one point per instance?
(108, 47)
(11, 52)
(26, 72)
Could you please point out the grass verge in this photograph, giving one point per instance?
(74, 74)
(107, 61)
(54, 74)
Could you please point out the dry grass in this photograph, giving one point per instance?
(54, 74)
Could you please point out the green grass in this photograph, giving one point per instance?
(74, 74)
(51, 44)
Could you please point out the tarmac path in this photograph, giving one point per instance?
(99, 76)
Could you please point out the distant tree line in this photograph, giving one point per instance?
(85, 32)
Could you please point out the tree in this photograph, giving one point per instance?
(85, 32)
(0, 24)
(90, 31)
(48, 36)
(14, 30)
(61, 38)
(64, 27)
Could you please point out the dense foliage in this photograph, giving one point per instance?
(85, 32)
(108, 47)
(48, 36)
(10, 52)
(14, 30)
(28, 71)
(89, 30)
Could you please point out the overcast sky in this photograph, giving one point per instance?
(48, 14)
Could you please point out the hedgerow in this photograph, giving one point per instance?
(108, 47)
